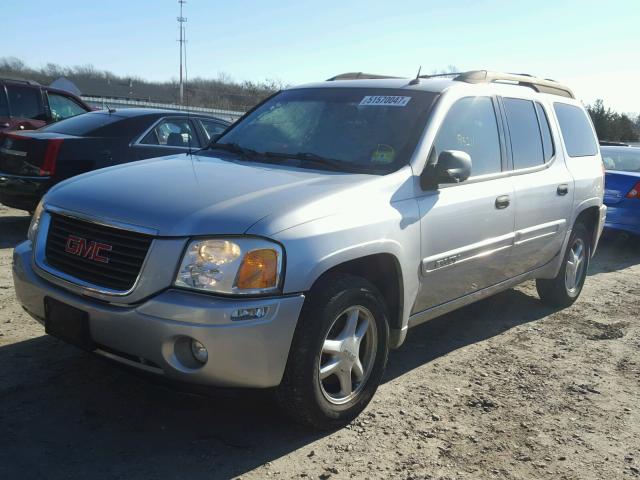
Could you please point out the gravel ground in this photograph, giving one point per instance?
(506, 388)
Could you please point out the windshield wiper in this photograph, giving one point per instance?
(307, 157)
(234, 148)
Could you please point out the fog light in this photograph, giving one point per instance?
(249, 313)
(199, 351)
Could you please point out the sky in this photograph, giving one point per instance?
(592, 46)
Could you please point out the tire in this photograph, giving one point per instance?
(338, 306)
(562, 291)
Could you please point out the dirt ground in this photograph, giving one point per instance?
(506, 388)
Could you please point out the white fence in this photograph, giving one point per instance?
(104, 102)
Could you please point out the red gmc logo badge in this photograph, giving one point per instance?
(91, 250)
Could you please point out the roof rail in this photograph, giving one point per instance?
(358, 76)
(538, 84)
(441, 75)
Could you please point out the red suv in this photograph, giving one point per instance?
(27, 105)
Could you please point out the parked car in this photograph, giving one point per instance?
(295, 251)
(27, 105)
(32, 162)
(622, 188)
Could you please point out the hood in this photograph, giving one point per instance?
(181, 195)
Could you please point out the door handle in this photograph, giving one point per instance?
(563, 189)
(502, 202)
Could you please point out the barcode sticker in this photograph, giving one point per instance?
(384, 101)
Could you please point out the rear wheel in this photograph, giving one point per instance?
(338, 354)
(565, 288)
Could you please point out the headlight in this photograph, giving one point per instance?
(32, 233)
(231, 266)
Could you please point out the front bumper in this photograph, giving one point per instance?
(22, 192)
(148, 335)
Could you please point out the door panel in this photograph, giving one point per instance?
(466, 241)
(541, 215)
(467, 229)
(543, 185)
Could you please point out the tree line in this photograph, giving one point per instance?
(222, 92)
(225, 93)
(613, 126)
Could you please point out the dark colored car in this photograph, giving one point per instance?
(31, 162)
(622, 187)
(27, 105)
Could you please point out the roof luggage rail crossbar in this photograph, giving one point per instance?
(538, 84)
(359, 76)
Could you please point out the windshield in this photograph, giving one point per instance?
(359, 129)
(626, 159)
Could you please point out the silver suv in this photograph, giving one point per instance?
(301, 245)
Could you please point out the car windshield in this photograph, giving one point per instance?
(625, 159)
(351, 129)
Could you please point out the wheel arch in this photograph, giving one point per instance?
(590, 218)
(384, 271)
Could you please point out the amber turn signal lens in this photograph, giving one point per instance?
(259, 269)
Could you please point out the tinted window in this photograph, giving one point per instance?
(526, 143)
(89, 124)
(25, 102)
(576, 130)
(172, 132)
(471, 126)
(547, 139)
(363, 129)
(212, 128)
(63, 107)
(625, 159)
(4, 107)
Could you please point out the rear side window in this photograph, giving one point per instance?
(576, 130)
(471, 126)
(212, 128)
(526, 141)
(25, 102)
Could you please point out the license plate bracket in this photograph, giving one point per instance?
(67, 323)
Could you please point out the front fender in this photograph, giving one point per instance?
(315, 247)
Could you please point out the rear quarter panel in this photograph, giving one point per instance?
(587, 171)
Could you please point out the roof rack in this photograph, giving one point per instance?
(538, 84)
(358, 76)
(542, 85)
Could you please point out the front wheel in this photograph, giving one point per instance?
(565, 288)
(338, 353)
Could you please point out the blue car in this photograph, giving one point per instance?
(622, 187)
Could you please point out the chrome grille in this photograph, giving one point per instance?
(123, 261)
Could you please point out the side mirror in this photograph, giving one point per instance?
(454, 166)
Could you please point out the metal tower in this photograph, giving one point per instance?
(181, 21)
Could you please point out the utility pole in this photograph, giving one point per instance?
(181, 21)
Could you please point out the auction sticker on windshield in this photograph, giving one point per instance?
(385, 101)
